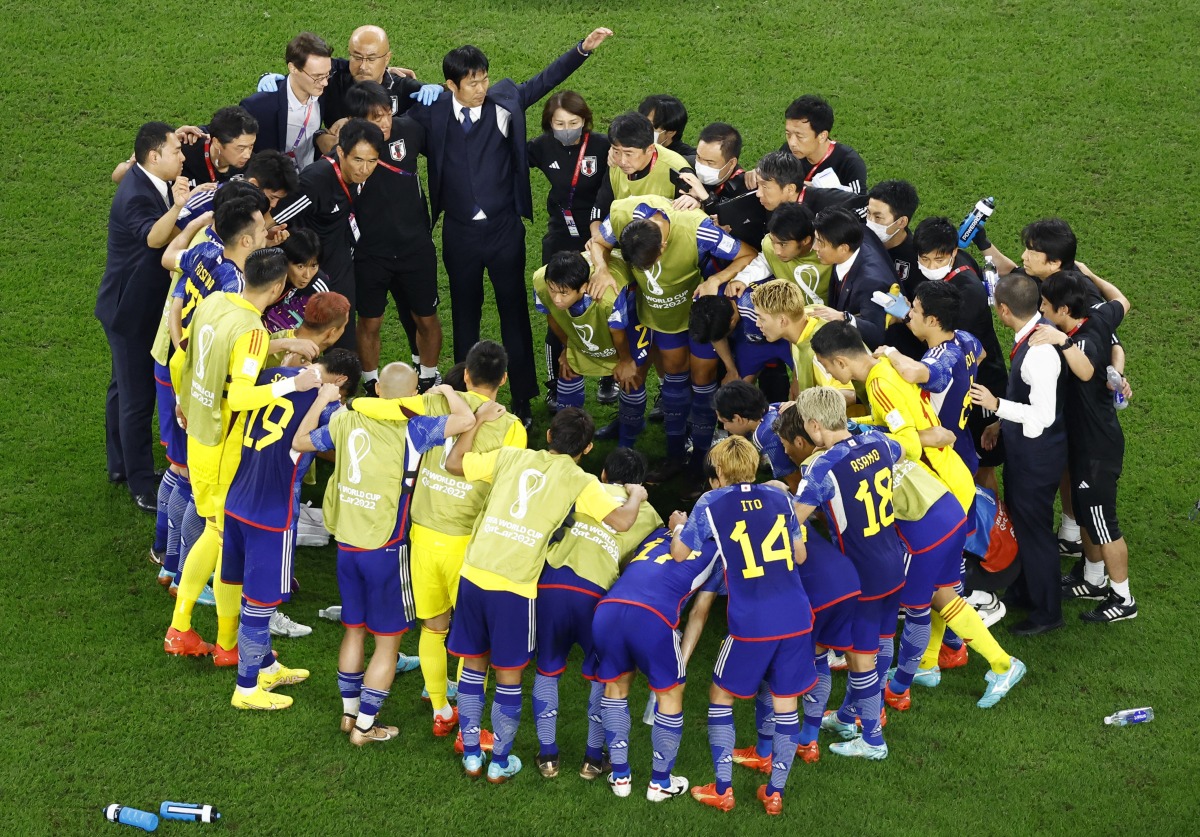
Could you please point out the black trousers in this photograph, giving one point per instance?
(496, 245)
(129, 410)
(1031, 476)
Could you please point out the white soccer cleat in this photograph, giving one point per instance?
(281, 625)
(310, 527)
(658, 793)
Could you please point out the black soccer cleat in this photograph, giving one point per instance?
(1073, 549)
(606, 392)
(1114, 608)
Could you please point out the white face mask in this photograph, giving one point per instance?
(934, 274)
(707, 174)
(657, 134)
(881, 232)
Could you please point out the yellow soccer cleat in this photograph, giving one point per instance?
(283, 676)
(260, 699)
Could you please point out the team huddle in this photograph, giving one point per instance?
(793, 322)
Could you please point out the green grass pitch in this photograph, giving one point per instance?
(1074, 107)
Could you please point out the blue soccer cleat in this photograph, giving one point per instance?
(928, 677)
(405, 663)
(451, 691)
(473, 766)
(999, 684)
(859, 748)
(831, 723)
(206, 597)
(498, 775)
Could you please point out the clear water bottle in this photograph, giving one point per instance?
(974, 220)
(333, 614)
(1130, 716)
(125, 815)
(188, 812)
(1114, 380)
(990, 277)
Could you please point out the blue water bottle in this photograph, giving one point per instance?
(131, 816)
(974, 220)
(188, 812)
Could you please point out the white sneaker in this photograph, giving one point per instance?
(310, 527)
(676, 787)
(621, 785)
(281, 625)
(991, 610)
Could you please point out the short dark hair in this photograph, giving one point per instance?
(811, 109)
(234, 218)
(839, 226)
(274, 170)
(838, 338)
(304, 46)
(728, 136)
(669, 113)
(791, 221)
(942, 301)
(1019, 291)
(232, 190)
(571, 102)
(899, 195)
(487, 363)
(641, 243)
(567, 269)
(711, 318)
(571, 431)
(229, 123)
(302, 246)
(781, 168)
(343, 362)
(455, 378)
(1055, 238)
(625, 466)
(265, 267)
(150, 137)
(790, 424)
(1070, 288)
(631, 130)
(935, 235)
(364, 97)
(360, 130)
(462, 62)
(738, 398)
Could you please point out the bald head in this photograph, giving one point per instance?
(369, 53)
(397, 380)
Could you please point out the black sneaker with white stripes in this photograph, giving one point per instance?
(1073, 549)
(1074, 586)
(1113, 609)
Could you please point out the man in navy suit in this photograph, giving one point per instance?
(290, 116)
(861, 266)
(479, 177)
(129, 303)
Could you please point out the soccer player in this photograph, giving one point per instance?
(743, 410)
(367, 511)
(861, 267)
(635, 629)
(444, 510)
(637, 166)
(305, 279)
(851, 482)
(218, 386)
(261, 511)
(580, 568)
(1095, 443)
(730, 328)
(783, 315)
(273, 172)
(787, 253)
(532, 492)
(759, 541)
(591, 329)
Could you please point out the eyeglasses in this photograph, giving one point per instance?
(369, 59)
(321, 79)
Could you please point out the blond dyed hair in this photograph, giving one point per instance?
(735, 460)
(779, 296)
(824, 405)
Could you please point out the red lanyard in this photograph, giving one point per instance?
(1078, 326)
(721, 187)
(578, 166)
(955, 272)
(808, 177)
(1020, 343)
(341, 182)
(212, 172)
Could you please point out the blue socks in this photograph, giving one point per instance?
(912, 646)
(703, 419)
(664, 738)
(615, 712)
(372, 702)
(595, 739)
(787, 738)
(764, 719)
(470, 709)
(165, 489)
(193, 528)
(676, 393)
(720, 742)
(180, 497)
(865, 695)
(815, 699)
(570, 393)
(631, 415)
(545, 712)
(506, 717)
(350, 686)
(254, 642)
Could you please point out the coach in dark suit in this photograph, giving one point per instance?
(479, 176)
(290, 116)
(861, 266)
(129, 303)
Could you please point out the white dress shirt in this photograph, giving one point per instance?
(159, 184)
(296, 144)
(1040, 370)
(842, 269)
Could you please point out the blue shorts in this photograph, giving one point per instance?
(376, 588)
(833, 624)
(259, 559)
(752, 357)
(785, 664)
(564, 619)
(170, 434)
(715, 582)
(494, 622)
(937, 564)
(666, 342)
(702, 351)
(630, 638)
(874, 619)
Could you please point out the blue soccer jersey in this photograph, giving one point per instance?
(198, 266)
(266, 489)
(657, 582)
(747, 330)
(753, 527)
(768, 443)
(828, 575)
(852, 482)
(953, 367)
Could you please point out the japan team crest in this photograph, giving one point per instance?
(397, 150)
(588, 167)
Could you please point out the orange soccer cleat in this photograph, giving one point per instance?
(809, 753)
(486, 740)
(444, 726)
(748, 757)
(900, 702)
(186, 644)
(773, 803)
(707, 795)
(949, 658)
(222, 657)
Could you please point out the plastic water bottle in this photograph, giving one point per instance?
(990, 277)
(131, 816)
(188, 812)
(1130, 716)
(333, 614)
(975, 218)
(1114, 380)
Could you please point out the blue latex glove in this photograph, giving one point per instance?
(895, 305)
(428, 94)
(269, 82)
